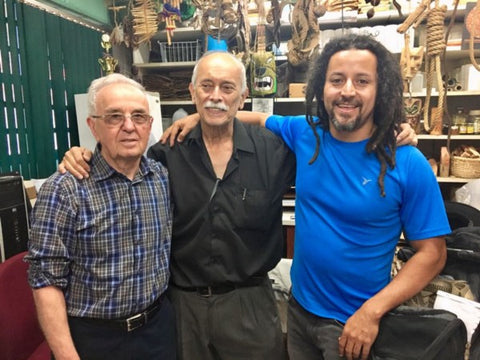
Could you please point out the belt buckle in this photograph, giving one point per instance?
(208, 293)
(135, 321)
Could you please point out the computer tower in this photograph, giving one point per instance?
(14, 222)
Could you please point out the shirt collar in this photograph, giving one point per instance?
(101, 170)
(241, 139)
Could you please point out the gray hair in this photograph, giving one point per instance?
(237, 61)
(98, 84)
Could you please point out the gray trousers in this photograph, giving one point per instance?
(311, 337)
(240, 324)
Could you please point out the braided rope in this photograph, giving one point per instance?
(473, 27)
(429, 72)
(435, 31)
(435, 47)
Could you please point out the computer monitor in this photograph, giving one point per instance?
(14, 223)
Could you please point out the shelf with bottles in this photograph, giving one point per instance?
(445, 137)
(454, 93)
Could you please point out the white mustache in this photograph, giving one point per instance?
(214, 105)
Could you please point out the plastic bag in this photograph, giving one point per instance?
(469, 194)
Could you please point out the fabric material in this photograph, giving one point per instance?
(240, 324)
(226, 230)
(39, 122)
(337, 205)
(20, 333)
(311, 337)
(104, 240)
(154, 340)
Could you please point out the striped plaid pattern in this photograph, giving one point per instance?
(104, 240)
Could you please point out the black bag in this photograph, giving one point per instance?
(408, 333)
(463, 257)
(475, 345)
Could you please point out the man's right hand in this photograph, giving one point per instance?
(179, 129)
(75, 161)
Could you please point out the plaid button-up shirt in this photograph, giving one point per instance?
(104, 240)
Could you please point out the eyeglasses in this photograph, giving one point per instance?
(117, 119)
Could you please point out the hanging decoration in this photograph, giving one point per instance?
(305, 31)
(216, 18)
(345, 5)
(169, 14)
(410, 62)
(242, 34)
(263, 77)
(187, 10)
(472, 22)
(145, 21)
(273, 19)
(435, 47)
(117, 36)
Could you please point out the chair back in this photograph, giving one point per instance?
(20, 333)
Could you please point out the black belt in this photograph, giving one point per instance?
(132, 322)
(219, 289)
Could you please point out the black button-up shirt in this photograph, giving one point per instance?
(226, 230)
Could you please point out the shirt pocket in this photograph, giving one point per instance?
(252, 210)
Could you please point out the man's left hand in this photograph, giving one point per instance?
(358, 336)
(407, 136)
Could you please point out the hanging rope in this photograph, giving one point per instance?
(473, 26)
(435, 48)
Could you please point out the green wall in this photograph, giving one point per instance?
(93, 9)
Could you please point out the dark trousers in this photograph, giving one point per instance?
(242, 324)
(154, 340)
(311, 337)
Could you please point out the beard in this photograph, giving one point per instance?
(350, 125)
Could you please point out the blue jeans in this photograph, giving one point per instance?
(311, 337)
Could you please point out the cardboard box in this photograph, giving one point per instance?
(30, 189)
(296, 90)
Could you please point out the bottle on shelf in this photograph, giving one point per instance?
(474, 118)
(459, 123)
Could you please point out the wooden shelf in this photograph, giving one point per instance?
(452, 179)
(165, 65)
(450, 93)
(444, 137)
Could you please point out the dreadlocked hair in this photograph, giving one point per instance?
(388, 109)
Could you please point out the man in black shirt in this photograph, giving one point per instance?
(227, 181)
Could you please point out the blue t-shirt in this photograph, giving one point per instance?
(345, 231)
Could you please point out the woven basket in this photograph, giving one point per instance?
(466, 168)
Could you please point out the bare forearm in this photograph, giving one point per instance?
(417, 272)
(252, 117)
(361, 329)
(52, 315)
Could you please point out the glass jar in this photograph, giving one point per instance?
(460, 120)
(474, 118)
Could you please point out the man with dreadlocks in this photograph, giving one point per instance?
(355, 193)
(345, 240)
